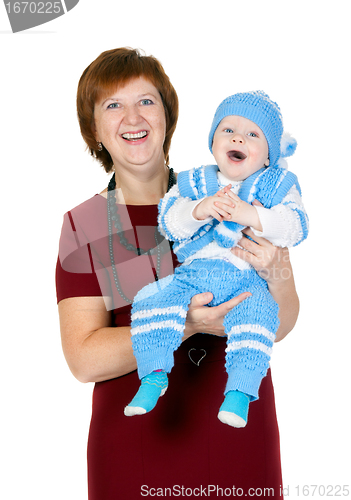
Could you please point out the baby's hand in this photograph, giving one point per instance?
(241, 212)
(216, 206)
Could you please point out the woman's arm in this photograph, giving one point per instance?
(94, 350)
(273, 264)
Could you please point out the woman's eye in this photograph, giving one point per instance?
(146, 102)
(113, 105)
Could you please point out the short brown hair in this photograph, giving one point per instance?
(112, 69)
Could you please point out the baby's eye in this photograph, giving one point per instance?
(252, 134)
(146, 102)
(228, 130)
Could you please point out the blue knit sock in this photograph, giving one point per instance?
(152, 387)
(234, 409)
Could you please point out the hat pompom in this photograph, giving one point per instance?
(282, 163)
(287, 145)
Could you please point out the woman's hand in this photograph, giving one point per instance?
(273, 265)
(204, 319)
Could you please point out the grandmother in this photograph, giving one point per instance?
(110, 247)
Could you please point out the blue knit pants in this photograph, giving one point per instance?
(159, 313)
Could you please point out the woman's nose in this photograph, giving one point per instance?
(131, 115)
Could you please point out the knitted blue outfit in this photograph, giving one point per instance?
(159, 309)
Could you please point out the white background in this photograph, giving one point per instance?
(298, 52)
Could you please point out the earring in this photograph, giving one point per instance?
(99, 146)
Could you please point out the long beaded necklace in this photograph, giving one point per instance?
(114, 218)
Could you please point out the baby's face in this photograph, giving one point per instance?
(239, 147)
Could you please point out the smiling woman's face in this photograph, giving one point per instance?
(131, 124)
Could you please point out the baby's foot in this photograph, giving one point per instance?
(234, 409)
(152, 387)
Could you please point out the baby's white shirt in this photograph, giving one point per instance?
(280, 224)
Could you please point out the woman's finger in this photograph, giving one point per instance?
(225, 307)
(201, 318)
(201, 299)
(257, 239)
(251, 246)
(245, 255)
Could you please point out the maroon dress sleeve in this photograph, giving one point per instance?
(84, 266)
(75, 273)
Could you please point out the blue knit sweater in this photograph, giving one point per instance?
(269, 186)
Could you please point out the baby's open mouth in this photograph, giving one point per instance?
(236, 155)
(135, 137)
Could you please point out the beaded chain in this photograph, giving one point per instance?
(114, 218)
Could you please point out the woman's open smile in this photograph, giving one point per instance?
(135, 137)
(131, 124)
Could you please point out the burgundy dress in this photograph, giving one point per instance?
(180, 448)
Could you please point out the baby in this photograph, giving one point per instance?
(204, 215)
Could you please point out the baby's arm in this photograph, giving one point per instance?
(284, 225)
(175, 219)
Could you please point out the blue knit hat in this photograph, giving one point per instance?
(260, 109)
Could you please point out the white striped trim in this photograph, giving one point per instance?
(172, 193)
(252, 192)
(203, 180)
(160, 310)
(181, 245)
(214, 251)
(224, 231)
(159, 325)
(238, 329)
(292, 195)
(294, 205)
(192, 182)
(221, 229)
(251, 344)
